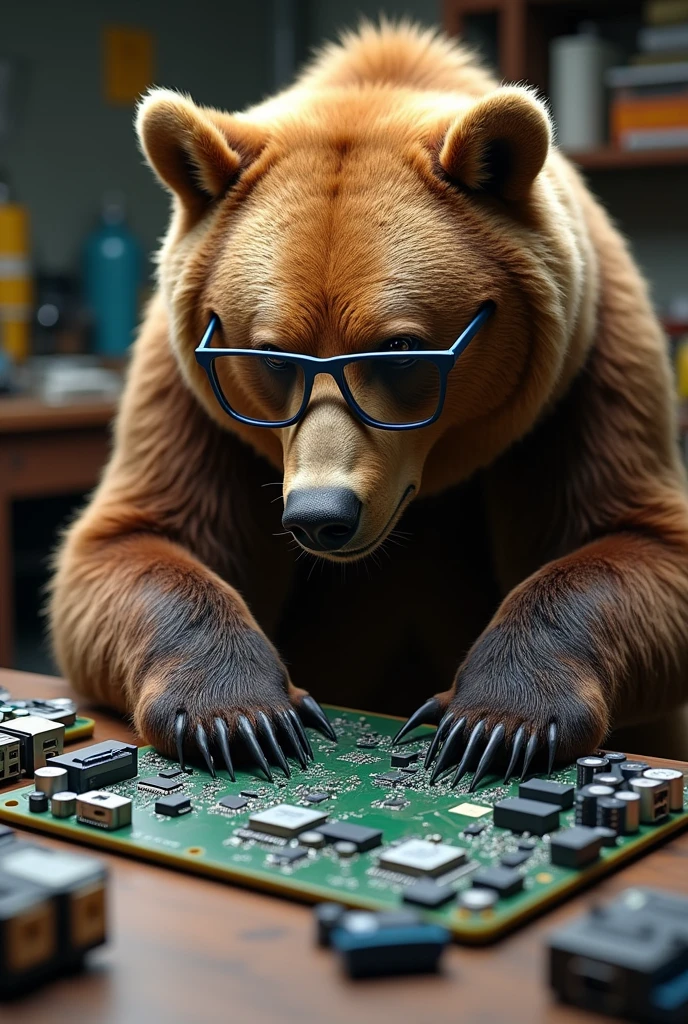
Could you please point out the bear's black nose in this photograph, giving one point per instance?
(322, 518)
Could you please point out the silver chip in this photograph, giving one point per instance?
(286, 820)
(420, 857)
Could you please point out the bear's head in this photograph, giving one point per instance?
(335, 221)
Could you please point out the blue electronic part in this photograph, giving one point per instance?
(369, 947)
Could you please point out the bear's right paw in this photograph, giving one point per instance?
(246, 707)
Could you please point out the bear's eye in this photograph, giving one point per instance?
(274, 362)
(402, 343)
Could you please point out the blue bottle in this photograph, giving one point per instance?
(112, 278)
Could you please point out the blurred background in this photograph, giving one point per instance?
(80, 215)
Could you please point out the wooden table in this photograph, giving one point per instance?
(185, 949)
(44, 450)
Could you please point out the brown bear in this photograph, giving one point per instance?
(393, 204)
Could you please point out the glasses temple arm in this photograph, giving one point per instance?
(480, 318)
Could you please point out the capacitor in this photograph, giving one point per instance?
(478, 899)
(586, 803)
(611, 813)
(613, 756)
(632, 815)
(654, 799)
(38, 802)
(633, 769)
(345, 849)
(50, 780)
(608, 779)
(587, 767)
(63, 804)
(674, 780)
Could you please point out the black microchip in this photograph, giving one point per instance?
(473, 830)
(575, 847)
(173, 806)
(521, 815)
(398, 802)
(316, 798)
(548, 792)
(505, 881)
(232, 803)
(514, 860)
(361, 836)
(391, 777)
(404, 759)
(411, 770)
(170, 773)
(288, 855)
(426, 893)
(250, 793)
(527, 844)
(160, 784)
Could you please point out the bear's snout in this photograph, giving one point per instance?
(322, 518)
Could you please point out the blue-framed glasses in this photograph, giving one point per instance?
(401, 388)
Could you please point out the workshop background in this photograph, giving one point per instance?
(80, 214)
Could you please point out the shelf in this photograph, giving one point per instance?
(608, 158)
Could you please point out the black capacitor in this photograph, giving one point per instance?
(587, 767)
(586, 803)
(633, 769)
(38, 802)
(611, 813)
(613, 756)
(608, 779)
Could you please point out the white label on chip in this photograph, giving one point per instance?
(286, 820)
(419, 857)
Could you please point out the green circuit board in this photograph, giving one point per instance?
(215, 841)
(80, 730)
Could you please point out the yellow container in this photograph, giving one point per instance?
(16, 286)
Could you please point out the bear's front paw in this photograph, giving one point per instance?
(509, 709)
(243, 705)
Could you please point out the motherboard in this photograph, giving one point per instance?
(363, 826)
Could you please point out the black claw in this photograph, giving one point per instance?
(301, 733)
(425, 715)
(245, 730)
(440, 733)
(519, 740)
(533, 744)
(202, 741)
(290, 731)
(446, 756)
(471, 747)
(495, 741)
(179, 730)
(222, 740)
(274, 749)
(552, 743)
(310, 710)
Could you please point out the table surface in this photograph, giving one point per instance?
(21, 414)
(188, 949)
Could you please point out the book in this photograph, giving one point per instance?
(627, 115)
(654, 138)
(663, 37)
(653, 74)
(666, 57)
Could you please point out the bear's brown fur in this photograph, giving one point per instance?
(544, 561)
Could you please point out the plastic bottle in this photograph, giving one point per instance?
(112, 277)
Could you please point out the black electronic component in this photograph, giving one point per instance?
(101, 764)
(575, 847)
(628, 959)
(390, 777)
(428, 894)
(403, 759)
(515, 859)
(607, 835)
(232, 803)
(395, 802)
(613, 756)
(38, 802)
(633, 769)
(370, 947)
(411, 769)
(521, 815)
(170, 773)
(587, 767)
(364, 838)
(327, 916)
(611, 813)
(504, 881)
(158, 784)
(288, 855)
(527, 844)
(609, 779)
(316, 798)
(250, 793)
(548, 792)
(474, 830)
(174, 805)
(586, 803)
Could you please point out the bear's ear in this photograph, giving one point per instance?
(195, 152)
(499, 145)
